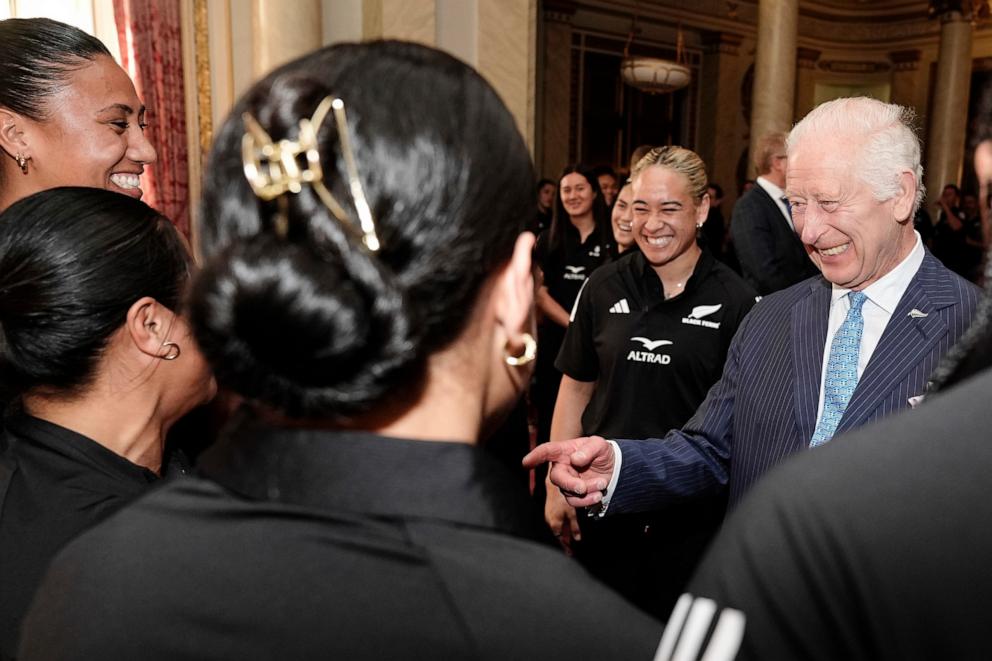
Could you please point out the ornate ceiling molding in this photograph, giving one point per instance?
(852, 66)
(807, 57)
(856, 24)
(726, 43)
(906, 60)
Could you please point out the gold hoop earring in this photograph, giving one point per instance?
(173, 352)
(22, 163)
(530, 352)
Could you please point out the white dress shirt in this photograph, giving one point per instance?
(883, 296)
(777, 194)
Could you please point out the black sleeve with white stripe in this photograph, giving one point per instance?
(699, 629)
(577, 357)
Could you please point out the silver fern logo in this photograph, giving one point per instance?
(695, 317)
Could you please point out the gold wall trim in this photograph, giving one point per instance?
(196, 84)
(203, 77)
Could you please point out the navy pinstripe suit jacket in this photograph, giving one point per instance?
(764, 406)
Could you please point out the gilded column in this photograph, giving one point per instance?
(949, 112)
(774, 68)
(282, 31)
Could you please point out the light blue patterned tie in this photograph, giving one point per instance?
(842, 371)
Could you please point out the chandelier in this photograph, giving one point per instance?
(654, 75)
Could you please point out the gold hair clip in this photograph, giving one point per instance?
(273, 168)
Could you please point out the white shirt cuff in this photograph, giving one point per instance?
(611, 487)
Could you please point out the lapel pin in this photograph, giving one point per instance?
(916, 314)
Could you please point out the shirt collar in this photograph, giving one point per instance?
(776, 193)
(703, 265)
(361, 472)
(887, 291)
(74, 456)
(573, 236)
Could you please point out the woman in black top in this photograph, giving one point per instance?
(546, 192)
(579, 240)
(622, 219)
(70, 114)
(648, 338)
(96, 365)
(367, 288)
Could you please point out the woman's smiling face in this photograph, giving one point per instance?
(93, 133)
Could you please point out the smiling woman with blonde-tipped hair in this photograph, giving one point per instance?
(651, 327)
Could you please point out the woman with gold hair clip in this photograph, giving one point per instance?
(367, 289)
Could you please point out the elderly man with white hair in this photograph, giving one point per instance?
(875, 547)
(826, 355)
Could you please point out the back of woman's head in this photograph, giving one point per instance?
(72, 262)
(37, 56)
(292, 308)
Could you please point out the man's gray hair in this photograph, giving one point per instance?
(889, 144)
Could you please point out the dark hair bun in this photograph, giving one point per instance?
(291, 308)
(301, 333)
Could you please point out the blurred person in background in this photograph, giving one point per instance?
(622, 219)
(769, 250)
(546, 192)
(579, 240)
(609, 183)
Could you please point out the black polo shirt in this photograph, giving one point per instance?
(654, 359)
(320, 544)
(566, 269)
(54, 483)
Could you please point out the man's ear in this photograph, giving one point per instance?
(12, 134)
(514, 292)
(781, 165)
(148, 324)
(906, 197)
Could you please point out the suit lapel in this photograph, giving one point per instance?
(773, 207)
(809, 333)
(904, 344)
(782, 229)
